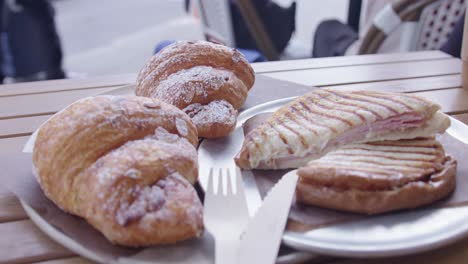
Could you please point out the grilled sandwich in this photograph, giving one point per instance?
(325, 119)
(378, 177)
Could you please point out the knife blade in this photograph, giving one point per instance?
(458, 130)
(261, 241)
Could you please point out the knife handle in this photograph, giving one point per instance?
(226, 250)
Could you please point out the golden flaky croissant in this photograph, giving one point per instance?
(209, 82)
(126, 165)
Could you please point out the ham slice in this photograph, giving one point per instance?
(325, 119)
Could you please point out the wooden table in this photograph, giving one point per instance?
(23, 107)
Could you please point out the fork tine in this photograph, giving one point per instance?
(230, 190)
(239, 182)
(210, 187)
(209, 193)
(220, 183)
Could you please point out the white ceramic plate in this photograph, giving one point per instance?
(389, 235)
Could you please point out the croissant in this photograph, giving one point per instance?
(126, 164)
(209, 82)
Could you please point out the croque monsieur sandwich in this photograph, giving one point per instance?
(325, 119)
(364, 152)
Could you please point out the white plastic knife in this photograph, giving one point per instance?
(458, 130)
(261, 241)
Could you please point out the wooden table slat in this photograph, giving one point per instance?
(405, 85)
(453, 101)
(292, 65)
(42, 103)
(462, 117)
(10, 208)
(369, 73)
(14, 144)
(65, 84)
(21, 126)
(23, 242)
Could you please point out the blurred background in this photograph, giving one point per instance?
(118, 36)
(50, 39)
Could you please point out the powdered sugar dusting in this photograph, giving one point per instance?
(181, 126)
(179, 192)
(133, 173)
(162, 201)
(237, 56)
(148, 199)
(218, 111)
(183, 86)
(164, 135)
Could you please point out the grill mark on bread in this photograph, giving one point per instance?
(373, 170)
(322, 114)
(325, 98)
(384, 162)
(296, 122)
(429, 152)
(386, 98)
(376, 160)
(310, 99)
(344, 96)
(383, 156)
(300, 123)
(319, 114)
(301, 138)
(281, 136)
(308, 118)
(358, 107)
(429, 144)
(252, 137)
(257, 146)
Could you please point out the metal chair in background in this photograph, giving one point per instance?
(427, 24)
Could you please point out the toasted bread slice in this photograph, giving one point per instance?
(325, 119)
(378, 177)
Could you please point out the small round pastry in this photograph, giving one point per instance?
(378, 177)
(190, 75)
(126, 164)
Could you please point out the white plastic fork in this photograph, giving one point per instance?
(225, 215)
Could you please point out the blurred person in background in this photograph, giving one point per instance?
(29, 43)
(279, 22)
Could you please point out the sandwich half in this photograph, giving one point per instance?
(378, 177)
(325, 119)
